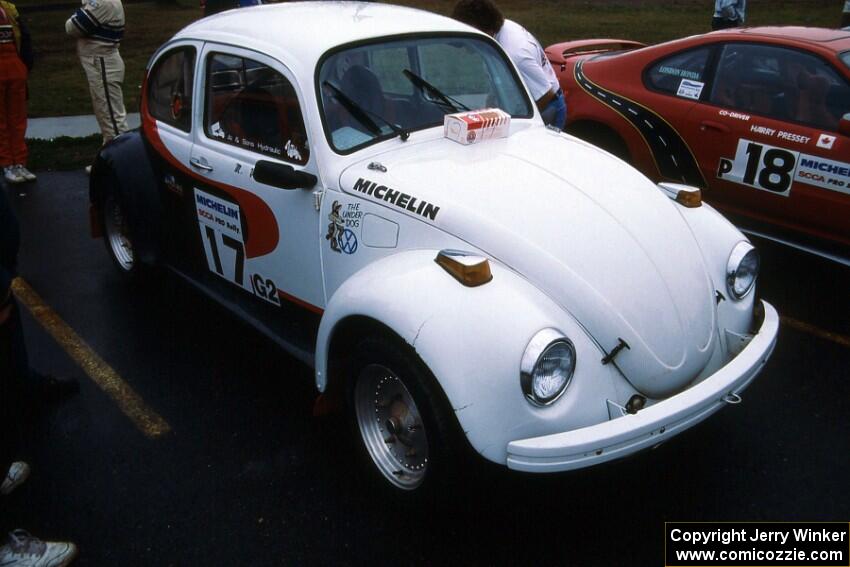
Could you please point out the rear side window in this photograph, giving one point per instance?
(680, 75)
(780, 83)
(170, 88)
(253, 107)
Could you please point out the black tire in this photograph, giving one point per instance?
(447, 450)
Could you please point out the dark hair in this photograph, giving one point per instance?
(480, 14)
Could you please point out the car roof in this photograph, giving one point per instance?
(836, 39)
(306, 30)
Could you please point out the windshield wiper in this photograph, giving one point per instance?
(423, 85)
(365, 116)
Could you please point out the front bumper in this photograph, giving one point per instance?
(622, 436)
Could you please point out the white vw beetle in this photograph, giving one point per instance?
(529, 296)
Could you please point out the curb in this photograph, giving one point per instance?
(71, 126)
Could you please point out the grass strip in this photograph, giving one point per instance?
(63, 153)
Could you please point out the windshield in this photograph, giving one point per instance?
(373, 92)
(845, 58)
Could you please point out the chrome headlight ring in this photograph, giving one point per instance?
(742, 270)
(547, 367)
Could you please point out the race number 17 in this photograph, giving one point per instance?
(761, 166)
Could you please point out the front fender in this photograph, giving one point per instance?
(125, 166)
(472, 340)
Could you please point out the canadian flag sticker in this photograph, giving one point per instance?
(826, 141)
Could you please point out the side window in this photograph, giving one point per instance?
(681, 75)
(170, 88)
(781, 83)
(252, 106)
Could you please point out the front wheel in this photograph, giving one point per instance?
(407, 435)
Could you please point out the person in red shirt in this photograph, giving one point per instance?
(15, 61)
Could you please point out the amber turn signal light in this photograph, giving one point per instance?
(469, 269)
(685, 195)
(690, 199)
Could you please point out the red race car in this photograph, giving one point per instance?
(759, 118)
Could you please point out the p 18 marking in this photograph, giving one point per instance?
(760, 166)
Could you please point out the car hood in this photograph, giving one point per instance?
(584, 227)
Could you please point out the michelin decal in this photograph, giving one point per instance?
(401, 200)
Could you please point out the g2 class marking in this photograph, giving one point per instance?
(401, 200)
(265, 288)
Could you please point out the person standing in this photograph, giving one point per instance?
(15, 62)
(728, 14)
(524, 50)
(99, 27)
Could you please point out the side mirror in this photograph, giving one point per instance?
(844, 125)
(283, 176)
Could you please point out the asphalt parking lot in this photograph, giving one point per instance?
(199, 446)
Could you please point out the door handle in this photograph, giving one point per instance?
(198, 164)
(706, 124)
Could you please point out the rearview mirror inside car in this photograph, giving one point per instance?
(283, 176)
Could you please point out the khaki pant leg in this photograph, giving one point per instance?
(105, 76)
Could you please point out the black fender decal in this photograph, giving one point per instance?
(671, 154)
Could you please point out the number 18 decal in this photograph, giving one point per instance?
(761, 166)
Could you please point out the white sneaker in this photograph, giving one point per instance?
(24, 550)
(18, 473)
(24, 172)
(10, 174)
(88, 170)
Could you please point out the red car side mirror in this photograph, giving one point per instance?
(844, 125)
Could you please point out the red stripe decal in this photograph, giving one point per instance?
(261, 229)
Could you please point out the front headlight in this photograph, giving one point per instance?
(547, 367)
(742, 269)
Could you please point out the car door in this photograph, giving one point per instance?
(255, 239)
(770, 147)
(168, 121)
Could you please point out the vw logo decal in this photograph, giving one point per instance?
(348, 241)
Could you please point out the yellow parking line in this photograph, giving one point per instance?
(134, 407)
(812, 330)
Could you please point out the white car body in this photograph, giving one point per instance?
(577, 241)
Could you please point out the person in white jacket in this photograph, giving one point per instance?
(99, 27)
(728, 14)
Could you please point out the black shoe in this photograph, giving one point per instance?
(48, 388)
